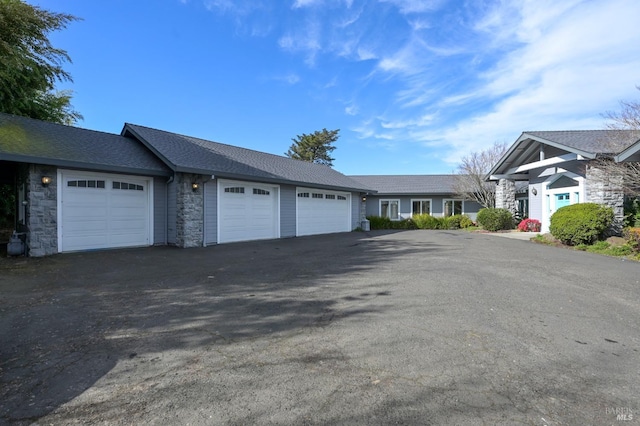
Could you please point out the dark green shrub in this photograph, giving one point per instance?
(580, 223)
(495, 219)
(378, 222)
(458, 221)
(466, 222)
(425, 221)
(632, 212)
(398, 224)
(632, 235)
(410, 224)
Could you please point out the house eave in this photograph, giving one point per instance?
(77, 165)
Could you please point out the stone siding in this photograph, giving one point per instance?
(190, 211)
(506, 195)
(606, 190)
(42, 211)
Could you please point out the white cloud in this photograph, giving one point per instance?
(415, 6)
(566, 63)
(290, 78)
(297, 4)
(307, 41)
(351, 110)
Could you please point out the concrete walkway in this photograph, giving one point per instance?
(516, 235)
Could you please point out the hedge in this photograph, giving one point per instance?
(421, 221)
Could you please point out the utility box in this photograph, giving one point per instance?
(15, 246)
(365, 225)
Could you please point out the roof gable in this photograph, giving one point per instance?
(586, 143)
(194, 155)
(34, 141)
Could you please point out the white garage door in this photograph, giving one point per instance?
(103, 211)
(247, 211)
(322, 212)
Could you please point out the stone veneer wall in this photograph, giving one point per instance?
(607, 190)
(506, 195)
(363, 210)
(42, 211)
(190, 211)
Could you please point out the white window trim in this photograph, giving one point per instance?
(422, 199)
(444, 201)
(390, 200)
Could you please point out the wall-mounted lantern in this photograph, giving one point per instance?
(46, 180)
(195, 186)
(534, 191)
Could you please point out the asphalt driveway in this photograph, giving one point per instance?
(413, 327)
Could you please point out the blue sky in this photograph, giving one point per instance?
(412, 85)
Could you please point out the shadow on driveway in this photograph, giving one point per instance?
(67, 320)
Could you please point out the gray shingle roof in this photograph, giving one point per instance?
(408, 184)
(588, 143)
(34, 141)
(591, 141)
(193, 155)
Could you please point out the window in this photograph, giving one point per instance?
(420, 207)
(86, 183)
(330, 197)
(390, 209)
(303, 194)
(342, 198)
(523, 207)
(127, 186)
(316, 195)
(235, 190)
(452, 207)
(258, 191)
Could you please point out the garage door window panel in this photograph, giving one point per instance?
(234, 190)
(86, 184)
(127, 186)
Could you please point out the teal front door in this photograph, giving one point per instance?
(562, 200)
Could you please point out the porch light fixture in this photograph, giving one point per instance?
(195, 186)
(534, 191)
(46, 180)
(364, 198)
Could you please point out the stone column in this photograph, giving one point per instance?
(506, 195)
(190, 211)
(606, 189)
(363, 208)
(42, 211)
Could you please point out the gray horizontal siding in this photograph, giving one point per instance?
(373, 204)
(159, 211)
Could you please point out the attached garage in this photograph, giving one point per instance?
(322, 212)
(99, 210)
(247, 211)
